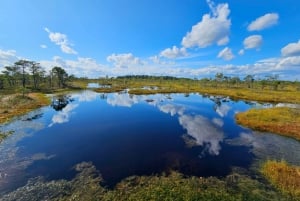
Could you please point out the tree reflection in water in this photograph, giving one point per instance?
(60, 102)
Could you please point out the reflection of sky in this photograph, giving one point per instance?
(172, 109)
(122, 99)
(270, 146)
(218, 122)
(86, 96)
(223, 110)
(201, 129)
(63, 116)
(11, 165)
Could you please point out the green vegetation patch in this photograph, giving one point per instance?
(281, 120)
(174, 187)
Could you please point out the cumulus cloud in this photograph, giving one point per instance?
(82, 67)
(43, 46)
(174, 52)
(7, 57)
(214, 28)
(253, 42)
(124, 60)
(292, 49)
(61, 40)
(263, 22)
(226, 54)
(288, 62)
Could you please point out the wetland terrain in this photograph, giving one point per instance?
(146, 142)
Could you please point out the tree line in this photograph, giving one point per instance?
(31, 75)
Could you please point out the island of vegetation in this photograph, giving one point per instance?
(24, 86)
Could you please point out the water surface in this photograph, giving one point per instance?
(124, 135)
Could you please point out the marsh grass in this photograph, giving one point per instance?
(281, 120)
(288, 94)
(87, 186)
(284, 177)
(16, 104)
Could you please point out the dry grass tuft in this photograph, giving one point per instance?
(15, 104)
(283, 176)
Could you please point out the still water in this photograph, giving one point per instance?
(124, 135)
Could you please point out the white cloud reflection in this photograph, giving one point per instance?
(203, 131)
(122, 99)
(223, 109)
(172, 109)
(86, 96)
(64, 115)
(218, 122)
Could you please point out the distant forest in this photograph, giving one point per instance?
(30, 75)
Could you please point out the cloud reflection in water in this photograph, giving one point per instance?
(201, 129)
(63, 116)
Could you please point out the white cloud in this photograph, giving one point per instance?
(264, 22)
(288, 62)
(174, 52)
(61, 40)
(253, 42)
(213, 28)
(242, 52)
(124, 60)
(7, 58)
(292, 49)
(226, 54)
(43, 46)
(82, 67)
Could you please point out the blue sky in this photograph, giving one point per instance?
(191, 38)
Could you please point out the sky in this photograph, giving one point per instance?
(190, 38)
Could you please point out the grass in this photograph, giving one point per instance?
(174, 187)
(281, 120)
(16, 104)
(286, 94)
(4, 135)
(284, 177)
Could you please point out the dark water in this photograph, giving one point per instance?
(124, 135)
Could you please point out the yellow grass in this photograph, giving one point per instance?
(15, 104)
(283, 176)
(282, 120)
